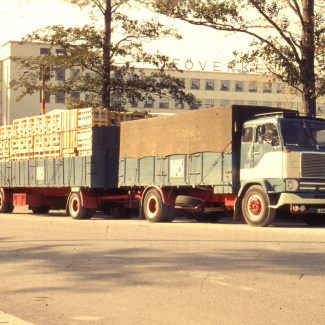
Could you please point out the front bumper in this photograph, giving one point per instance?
(300, 198)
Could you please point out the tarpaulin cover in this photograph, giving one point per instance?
(216, 129)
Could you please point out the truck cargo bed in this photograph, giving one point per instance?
(98, 170)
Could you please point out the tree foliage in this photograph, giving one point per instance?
(101, 61)
(288, 36)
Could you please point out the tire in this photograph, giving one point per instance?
(76, 210)
(154, 209)
(189, 201)
(208, 217)
(314, 220)
(5, 207)
(119, 212)
(255, 206)
(43, 209)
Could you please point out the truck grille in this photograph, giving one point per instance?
(312, 165)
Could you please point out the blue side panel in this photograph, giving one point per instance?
(69, 176)
(147, 171)
(204, 169)
(131, 174)
(160, 171)
(176, 167)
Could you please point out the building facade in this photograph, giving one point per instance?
(211, 88)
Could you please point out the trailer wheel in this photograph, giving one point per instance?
(5, 207)
(256, 208)
(154, 209)
(76, 210)
(119, 212)
(314, 220)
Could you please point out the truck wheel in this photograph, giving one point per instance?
(43, 209)
(119, 212)
(5, 207)
(154, 209)
(76, 210)
(314, 220)
(256, 209)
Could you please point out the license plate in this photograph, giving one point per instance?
(320, 210)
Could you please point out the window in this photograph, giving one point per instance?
(293, 106)
(280, 104)
(252, 87)
(280, 88)
(208, 103)
(239, 86)
(60, 75)
(252, 103)
(59, 51)
(163, 103)
(74, 73)
(59, 97)
(134, 102)
(44, 50)
(87, 96)
(148, 103)
(75, 94)
(267, 103)
(195, 83)
(267, 133)
(320, 109)
(181, 83)
(179, 104)
(196, 104)
(267, 88)
(224, 102)
(47, 97)
(239, 102)
(248, 134)
(47, 73)
(225, 85)
(209, 84)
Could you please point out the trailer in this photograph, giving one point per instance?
(248, 161)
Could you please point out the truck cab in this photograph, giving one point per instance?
(283, 165)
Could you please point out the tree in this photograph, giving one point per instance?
(102, 62)
(288, 36)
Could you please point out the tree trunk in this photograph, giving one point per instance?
(308, 59)
(106, 89)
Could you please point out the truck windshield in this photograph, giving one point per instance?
(303, 133)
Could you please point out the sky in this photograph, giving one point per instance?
(201, 49)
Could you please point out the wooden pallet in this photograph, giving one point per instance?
(57, 134)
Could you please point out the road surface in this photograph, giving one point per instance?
(55, 270)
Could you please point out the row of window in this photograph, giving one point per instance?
(207, 103)
(60, 97)
(238, 86)
(195, 83)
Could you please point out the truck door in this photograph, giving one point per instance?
(267, 152)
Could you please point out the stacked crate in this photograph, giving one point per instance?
(57, 134)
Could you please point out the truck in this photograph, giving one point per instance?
(252, 162)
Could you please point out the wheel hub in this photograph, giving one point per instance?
(75, 205)
(152, 205)
(255, 205)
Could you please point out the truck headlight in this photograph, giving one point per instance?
(291, 185)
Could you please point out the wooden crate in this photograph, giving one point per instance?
(52, 122)
(88, 117)
(85, 139)
(20, 127)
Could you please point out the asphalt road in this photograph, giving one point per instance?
(55, 270)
